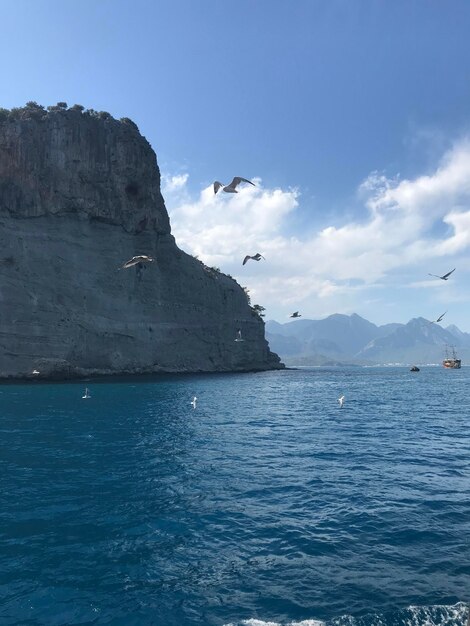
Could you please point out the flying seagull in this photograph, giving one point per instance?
(296, 314)
(141, 258)
(438, 319)
(232, 187)
(193, 402)
(256, 257)
(341, 402)
(445, 277)
(35, 372)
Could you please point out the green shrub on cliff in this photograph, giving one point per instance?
(129, 122)
(15, 113)
(258, 310)
(33, 110)
(31, 104)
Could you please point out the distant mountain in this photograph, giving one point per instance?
(352, 339)
(337, 334)
(463, 338)
(419, 341)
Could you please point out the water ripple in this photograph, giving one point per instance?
(266, 504)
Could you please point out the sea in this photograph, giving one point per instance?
(266, 505)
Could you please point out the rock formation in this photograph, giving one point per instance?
(80, 195)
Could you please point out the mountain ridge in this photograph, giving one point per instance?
(343, 339)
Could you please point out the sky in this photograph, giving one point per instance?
(351, 118)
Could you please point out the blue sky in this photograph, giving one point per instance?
(352, 117)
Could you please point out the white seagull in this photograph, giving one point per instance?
(341, 402)
(438, 319)
(445, 276)
(232, 187)
(239, 336)
(141, 258)
(193, 402)
(35, 372)
(255, 257)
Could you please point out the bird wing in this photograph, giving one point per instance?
(446, 276)
(141, 258)
(129, 263)
(237, 180)
(435, 275)
(217, 186)
(441, 316)
(247, 258)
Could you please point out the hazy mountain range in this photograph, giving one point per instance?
(352, 339)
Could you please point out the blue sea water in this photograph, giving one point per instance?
(267, 504)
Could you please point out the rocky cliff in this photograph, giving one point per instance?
(79, 195)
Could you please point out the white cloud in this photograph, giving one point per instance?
(170, 184)
(460, 240)
(408, 223)
(221, 227)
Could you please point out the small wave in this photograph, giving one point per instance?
(260, 622)
(435, 615)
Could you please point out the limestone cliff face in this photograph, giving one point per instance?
(79, 195)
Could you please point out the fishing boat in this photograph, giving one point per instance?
(451, 361)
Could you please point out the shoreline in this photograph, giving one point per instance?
(103, 377)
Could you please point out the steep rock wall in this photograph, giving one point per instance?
(79, 195)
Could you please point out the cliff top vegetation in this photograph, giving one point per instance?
(34, 111)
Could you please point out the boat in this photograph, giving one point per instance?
(414, 368)
(87, 394)
(451, 361)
